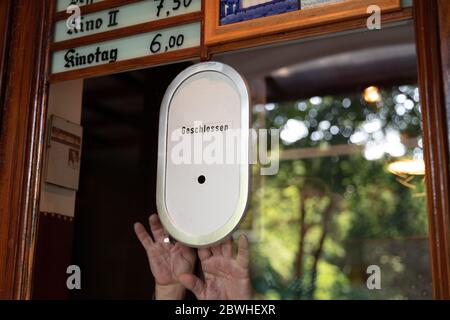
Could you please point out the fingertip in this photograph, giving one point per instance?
(243, 241)
(136, 226)
(204, 253)
(139, 231)
(153, 218)
(228, 239)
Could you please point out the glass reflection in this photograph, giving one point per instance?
(337, 207)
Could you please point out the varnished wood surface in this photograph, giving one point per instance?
(5, 11)
(21, 144)
(315, 31)
(339, 12)
(429, 39)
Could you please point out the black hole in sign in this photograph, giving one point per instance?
(201, 179)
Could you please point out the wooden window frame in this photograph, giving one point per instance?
(433, 42)
(294, 20)
(25, 75)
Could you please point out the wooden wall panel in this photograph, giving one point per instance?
(5, 10)
(21, 144)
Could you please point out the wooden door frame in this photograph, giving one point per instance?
(23, 107)
(432, 36)
(5, 31)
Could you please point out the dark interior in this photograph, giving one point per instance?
(118, 180)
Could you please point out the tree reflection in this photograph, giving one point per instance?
(334, 208)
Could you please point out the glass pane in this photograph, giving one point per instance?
(345, 216)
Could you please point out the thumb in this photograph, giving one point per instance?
(192, 283)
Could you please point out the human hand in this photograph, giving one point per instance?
(167, 261)
(226, 277)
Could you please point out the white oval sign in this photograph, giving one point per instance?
(203, 166)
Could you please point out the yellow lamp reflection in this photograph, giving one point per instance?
(407, 167)
(372, 94)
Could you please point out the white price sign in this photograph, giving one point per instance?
(125, 16)
(136, 46)
(62, 5)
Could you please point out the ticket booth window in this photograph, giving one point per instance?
(345, 214)
(350, 201)
(348, 205)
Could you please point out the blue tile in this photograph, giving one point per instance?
(235, 13)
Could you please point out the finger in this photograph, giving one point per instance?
(243, 255)
(192, 283)
(227, 248)
(157, 229)
(142, 235)
(216, 250)
(204, 253)
(178, 247)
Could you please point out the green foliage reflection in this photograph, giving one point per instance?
(326, 216)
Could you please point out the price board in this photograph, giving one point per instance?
(61, 5)
(113, 35)
(112, 51)
(125, 16)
